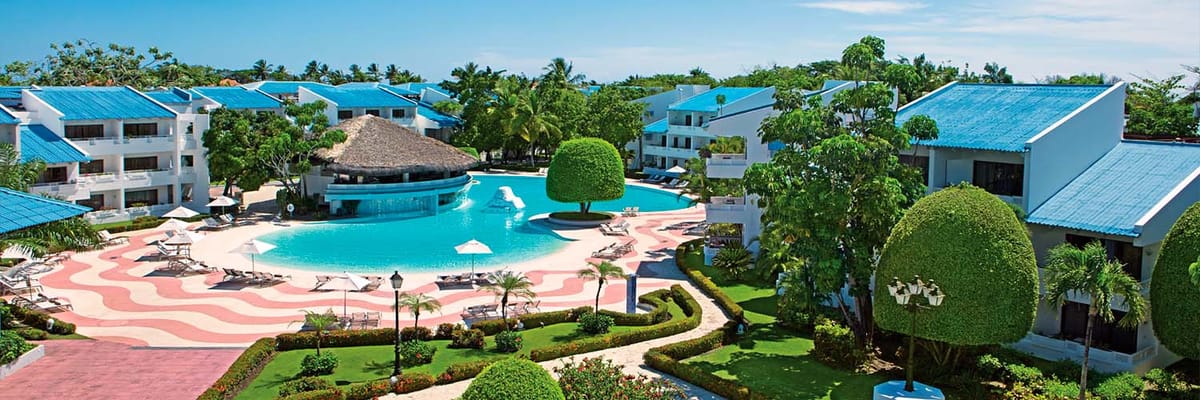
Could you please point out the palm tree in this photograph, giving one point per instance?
(561, 73)
(321, 321)
(312, 71)
(17, 175)
(720, 103)
(532, 120)
(373, 72)
(1089, 271)
(415, 303)
(261, 69)
(509, 284)
(602, 273)
(67, 234)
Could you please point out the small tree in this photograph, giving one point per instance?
(1174, 290)
(415, 303)
(601, 272)
(506, 285)
(321, 322)
(585, 170)
(732, 261)
(513, 379)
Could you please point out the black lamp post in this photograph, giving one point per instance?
(397, 281)
(908, 295)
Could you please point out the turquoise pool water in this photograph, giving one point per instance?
(426, 244)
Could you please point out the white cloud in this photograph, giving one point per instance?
(865, 7)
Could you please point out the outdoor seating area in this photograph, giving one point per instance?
(467, 279)
(253, 277)
(186, 266)
(614, 250)
(655, 179)
(110, 239)
(483, 312)
(630, 212)
(373, 282)
(43, 303)
(620, 228)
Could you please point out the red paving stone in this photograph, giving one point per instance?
(93, 369)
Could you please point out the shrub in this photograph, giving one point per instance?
(656, 299)
(304, 384)
(326, 394)
(533, 320)
(509, 341)
(1123, 386)
(446, 331)
(593, 323)
(969, 241)
(12, 346)
(416, 333)
(411, 382)
(243, 370)
(705, 284)
(1054, 389)
(1168, 384)
(338, 338)
(41, 320)
(1022, 373)
(834, 345)
(467, 339)
(31, 333)
(463, 371)
(368, 390)
(471, 151)
(513, 379)
(597, 378)
(415, 352)
(989, 366)
(585, 170)
(314, 365)
(666, 358)
(732, 261)
(1173, 296)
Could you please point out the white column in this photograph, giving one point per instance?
(121, 166)
(176, 163)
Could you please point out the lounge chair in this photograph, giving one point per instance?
(654, 179)
(167, 253)
(698, 230)
(672, 183)
(682, 185)
(630, 212)
(228, 219)
(23, 286)
(615, 251)
(604, 250)
(43, 303)
(212, 224)
(542, 171)
(676, 184)
(322, 280)
(108, 238)
(482, 278)
(621, 228)
(233, 275)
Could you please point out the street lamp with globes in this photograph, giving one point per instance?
(397, 281)
(909, 295)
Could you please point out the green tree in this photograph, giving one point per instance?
(291, 142)
(416, 303)
(1174, 289)
(262, 70)
(1155, 108)
(994, 73)
(561, 74)
(508, 285)
(373, 73)
(15, 174)
(979, 253)
(585, 170)
(396, 76)
(321, 322)
(85, 63)
(67, 234)
(1081, 79)
(701, 188)
(532, 121)
(357, 74)
(232, 139)
(312, 72)
(601, 272)
(448, 107)
(835, 190)
(17, 73)
(513, 379)
(1090, 272)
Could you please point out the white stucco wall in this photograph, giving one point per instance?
(1063, 151)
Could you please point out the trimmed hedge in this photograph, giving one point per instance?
(493, 326)
(836, 346)
(327, 394)
(690, 307)
(705, 284)
(338, 338)
(409, 383)
(242, 372)
(667, 359)
(660, 314)
(1173, 298)
(368, 390)
(416, 332)
(463, 371)
(585, 170)
(513, 379)
(40, 320)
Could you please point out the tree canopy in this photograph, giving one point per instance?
(1157, 108)
(1175, 296)
(585, 170)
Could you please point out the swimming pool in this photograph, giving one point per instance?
(426, 244)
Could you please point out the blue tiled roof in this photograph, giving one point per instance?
(997, 117)
(20, 210)
(1120, 188)
(238, 98)
(832, 83)
(659, 126)
(426, 110)
(39, 143)
(416, 87)
(707, 101)
(172, 96)
(89, 103)
(361, 97)
(403, 91)
(284, 87)
(6, 118)
(11, 92)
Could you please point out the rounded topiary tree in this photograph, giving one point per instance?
(974, 247)
(1174, 296)
(585, 170)
(513, 379)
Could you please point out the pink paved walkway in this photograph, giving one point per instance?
(91, 369)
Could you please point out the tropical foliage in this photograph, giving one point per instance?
(598, 378)
(601, 272)
(67, 234)
(508, 285)
(1175, 291)
(416, 303)
(1158, 108)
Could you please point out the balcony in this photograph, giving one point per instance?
(674, 152)
(727, 166)
(729, 209)
(1103, 360)
(70, 191)
(101, 181)
(688, 130)
(148, 178)
(139, 144)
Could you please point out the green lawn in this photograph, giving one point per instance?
(367, 363)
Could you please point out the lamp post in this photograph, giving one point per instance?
(908, 295)
(397, 281)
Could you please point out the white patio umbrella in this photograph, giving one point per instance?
(473, 247)
(346, 282)
(181, 212)
(21, 252)
(676, 170)
(172, 225)
(252, 248)
(222, 201)
(183, 237)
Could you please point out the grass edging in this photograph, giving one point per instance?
(242, 372)
(668, 359)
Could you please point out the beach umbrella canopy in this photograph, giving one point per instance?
(222, 201)
(346, 282)
(676, 170)
(21, 252)
(473, 247)
(181, 212)
(184, 237)
(173, 225)
(252, 248)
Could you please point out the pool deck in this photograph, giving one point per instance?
(118, 296)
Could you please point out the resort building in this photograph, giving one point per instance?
(192, 101)
(656, 111)
(385, 168)
(357, 99)
(113, 149)
(672, 140)
(283, 90)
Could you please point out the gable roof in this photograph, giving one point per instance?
(171, 96)
(348, 97)
(444, 120)
(94, 102)
(39, 143)
(997, 117)
(238, 98)
(283, 87)
(1120, 188)
(707, 101)
(6, 118)
(417, 87)
(659, 126)
(11, 92)
(20, 210)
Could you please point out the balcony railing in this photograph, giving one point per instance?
(724, 241)
(732, 203)
(727, 159)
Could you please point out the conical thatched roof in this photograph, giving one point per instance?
(377, 147)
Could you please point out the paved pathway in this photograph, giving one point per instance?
(93, 369)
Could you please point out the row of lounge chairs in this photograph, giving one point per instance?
(464, 279)
(373, 282)
(253, 277)
(630, 212)
(492, 311)
(220, 222)
(673, 183)
(620, 228)
(361, 320)
(614, 251)
(110, 239)
(43, 303)
(186, 266)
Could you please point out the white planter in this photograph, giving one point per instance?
(21, 362)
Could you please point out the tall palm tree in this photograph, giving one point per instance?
(415, 303)
(321, 321)
(561, 73)
(507, 285)
(601, 273)
(373, 72)
(261, 69)
(533, 121)
(1089, 271)
(17, 175)
(312, 71)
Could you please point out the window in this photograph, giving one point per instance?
(135, 130)
(921, 162)
(53, 175)
(687, 119)
(1105, 335)
(687, 143)
(1124, 252)
(92, 167)
(141, 163)
(398, 113)
(345, 114)
(84, 131)
(139, 198)
(373, 112)
(1000, 178)
(187, 161)
(95, 202)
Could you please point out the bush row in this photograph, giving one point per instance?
(493, 326)
(690, 307)
(324, 394)
(667, 359)
(338, 338)
(140, 223)
(41, 320)
(243, 371)
(657, 299)
(706, 285)
(463, 371)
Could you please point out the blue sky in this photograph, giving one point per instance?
(609, 40)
